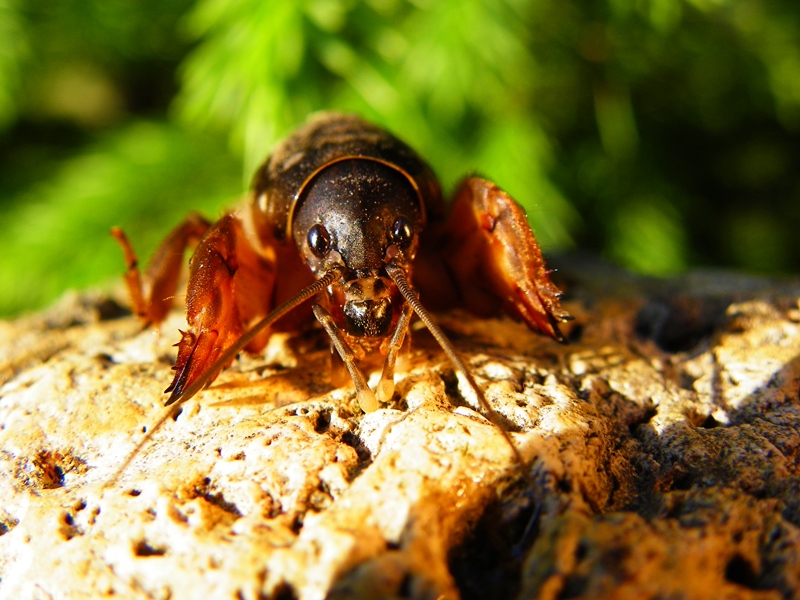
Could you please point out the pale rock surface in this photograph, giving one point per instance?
(662, 450)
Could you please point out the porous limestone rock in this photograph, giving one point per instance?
(661, 450)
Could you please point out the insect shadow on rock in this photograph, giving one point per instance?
(345, 214)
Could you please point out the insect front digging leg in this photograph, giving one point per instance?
(230, 285)
(493, 255)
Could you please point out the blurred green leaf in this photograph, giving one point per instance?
(140, 178)
(755, 239)
(427, 73)
(13, 54)
(647, 237)
(661, 134)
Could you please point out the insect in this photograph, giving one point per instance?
(344, 214)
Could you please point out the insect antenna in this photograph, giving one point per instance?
(399, 277)
(175, 401)
(171, 412)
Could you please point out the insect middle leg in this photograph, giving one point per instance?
(366, 397)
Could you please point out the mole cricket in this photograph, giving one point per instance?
(344, 214)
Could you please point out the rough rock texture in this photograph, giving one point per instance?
(661, 448)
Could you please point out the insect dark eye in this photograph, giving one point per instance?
(319, 240)
(402, 232)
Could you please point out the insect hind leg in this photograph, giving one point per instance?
(152, 294)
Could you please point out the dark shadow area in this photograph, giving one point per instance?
(695, 473)
(679, 322)
(488, 562)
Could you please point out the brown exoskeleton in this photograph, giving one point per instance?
(344, 213)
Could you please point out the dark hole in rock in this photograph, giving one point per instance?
(644, 419)
(682, 481)
(323, 421)
(456, 399)
(53, 477)
(69, 528)
(450, 381)
(741, 572)
(581, 551)
(284, 591)
(52, 466)
(144, 549)
(207, 492)
(297, 524)
(7, 525)
(108, 309)
(219, 500)
(352, 440)
(404, 590)
(104, 358)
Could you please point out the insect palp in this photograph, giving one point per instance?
(366, 397)
(385, 388)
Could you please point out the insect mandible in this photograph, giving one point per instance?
(345, 214)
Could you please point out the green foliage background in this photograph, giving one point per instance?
(661, 134)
